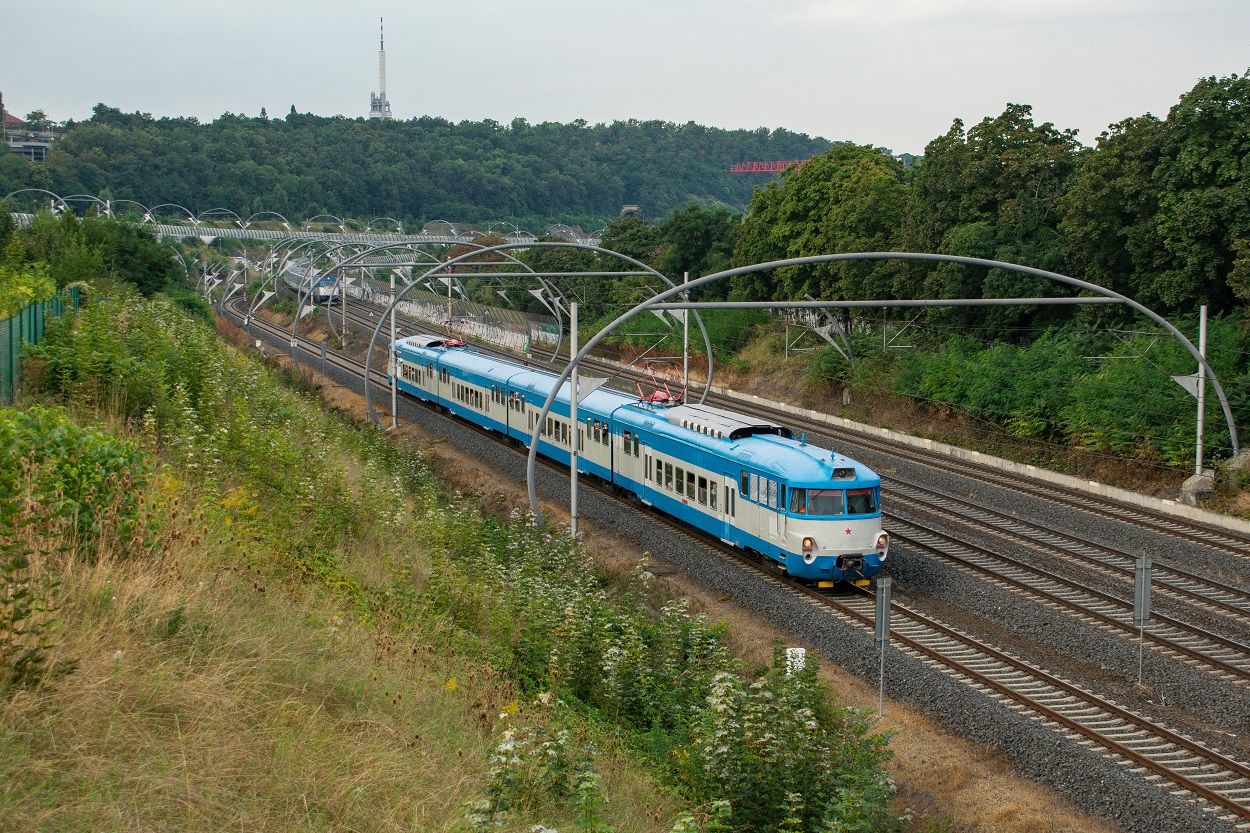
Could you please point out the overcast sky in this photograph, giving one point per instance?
(881, 72)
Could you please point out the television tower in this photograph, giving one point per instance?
(379, 107)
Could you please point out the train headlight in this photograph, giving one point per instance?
(883, 541)
(809, 544)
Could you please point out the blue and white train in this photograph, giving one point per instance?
(814, 512)
(298, 276)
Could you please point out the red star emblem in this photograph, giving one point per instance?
(848, 531)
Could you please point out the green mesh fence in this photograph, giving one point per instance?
(27, 327)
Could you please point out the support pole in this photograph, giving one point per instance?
(1202, 388)
(394, 363)
(685, 342)
(575, 433)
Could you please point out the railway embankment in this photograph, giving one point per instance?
(240, 610)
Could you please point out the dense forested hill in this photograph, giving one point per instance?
(421, 169)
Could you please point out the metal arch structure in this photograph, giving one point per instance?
(277, 265)
(452, 228)
(151, 215)
(89, 198)
(285, 222)
(398, 224)
(56, 198)
(674, 288)
(664, 297)
(224, 212)
(360, 258)
(339, 220)
(145, 211)
(418, 249)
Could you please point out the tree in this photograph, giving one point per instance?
(699, 240)
(1109, 213)
(850, 199)
(1203, 179)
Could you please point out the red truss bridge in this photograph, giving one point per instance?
(766, 167)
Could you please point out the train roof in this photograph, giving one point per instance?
(770, 452)
(762, 445)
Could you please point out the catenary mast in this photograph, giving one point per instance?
(379, 106)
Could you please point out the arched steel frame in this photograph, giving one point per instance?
(398, 224)
(285, 222)
(225, 212)
(666, 295)
(55, 197)
(304, 225)
(707, 342)
(88, 198)
(146, 212)
(151, 215)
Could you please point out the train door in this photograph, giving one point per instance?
(776, 510)
(627, 448)
(729, 507)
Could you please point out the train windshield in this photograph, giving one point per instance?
(861, 501)
(824, 502)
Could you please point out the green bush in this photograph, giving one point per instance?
(79, 481)
(64, 489)
(22, 284)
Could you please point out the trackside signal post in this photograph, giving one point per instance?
(882, 636)
(1141, 605)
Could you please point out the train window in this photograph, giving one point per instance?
(659, 472)
(744, 484)
(635, 444)
(781, 496)
(681, 480)
(755, 488)
(711, 494)
(703, 490)
(729, 502)
(668, 476)
(768, 492)
(824, 501)
(626, 442)
(798, 501)
(690, 484)
(606, 436)
(861, 501)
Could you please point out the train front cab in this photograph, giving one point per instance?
(833, 533)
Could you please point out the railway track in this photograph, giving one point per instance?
(1169, 579)
(1187, 768)
(1222, 655)
(1085, 502)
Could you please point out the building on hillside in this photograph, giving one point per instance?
(23, 137)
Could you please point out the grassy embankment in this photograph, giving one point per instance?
(224, 608)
